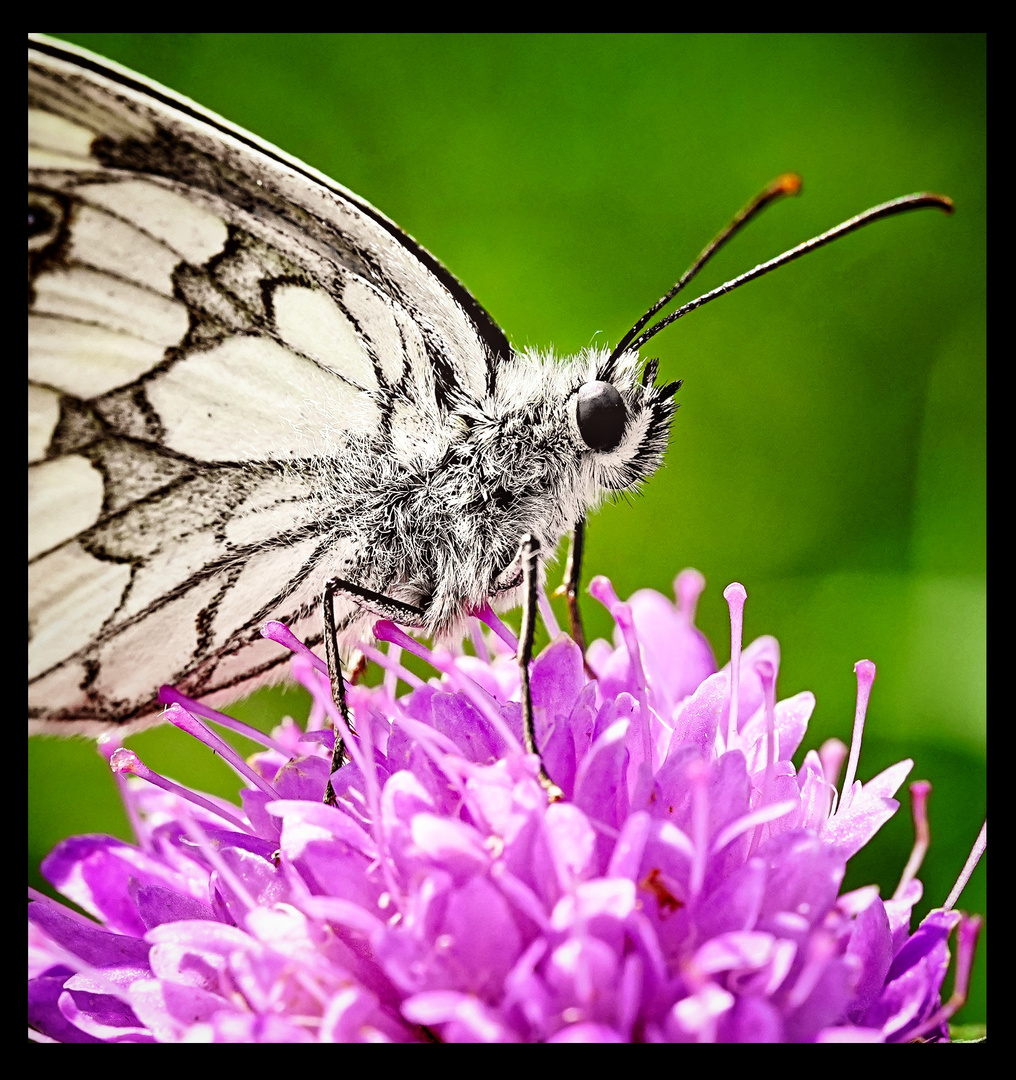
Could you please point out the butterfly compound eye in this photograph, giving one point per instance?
(601, 415)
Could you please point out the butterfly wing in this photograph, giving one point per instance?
(211, 324)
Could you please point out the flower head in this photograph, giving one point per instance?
(686, 888)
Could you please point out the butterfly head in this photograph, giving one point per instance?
(585, 428)
(549, 445)
(620, 420)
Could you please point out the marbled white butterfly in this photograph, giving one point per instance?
(245, 380)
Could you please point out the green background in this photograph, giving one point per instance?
(829, 452)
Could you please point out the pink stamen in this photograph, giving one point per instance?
(392, 662)
(832, 753)
(441, 660)
(360, 748)
(386, 630)
(735, 594)
(169, 695)
(967, 932)
(487, 616)
(479, 641)
(626, 624)
(919, 792)
(107, 745)
(865, 670)
(179, 717)
(358, 696)
(980, 844)
(123, 760)
(282, 635)
(547, 612)
(767, 676)
(688, 587)
(391, 679)
(602, 590)
(320, 688)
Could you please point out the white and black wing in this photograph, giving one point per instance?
(212, 325)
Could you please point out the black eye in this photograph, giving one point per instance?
(601, 415)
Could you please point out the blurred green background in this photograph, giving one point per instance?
(829, 452)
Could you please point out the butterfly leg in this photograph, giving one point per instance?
(337, 683)
(569, 587)
(396, 610)
(530, 553)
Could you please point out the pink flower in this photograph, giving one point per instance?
(686, 888)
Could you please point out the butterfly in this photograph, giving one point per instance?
(244, 380)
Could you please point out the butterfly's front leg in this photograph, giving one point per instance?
(569, 587)
(510, 583)
(530, 554)
(396, 610)
(384, 607)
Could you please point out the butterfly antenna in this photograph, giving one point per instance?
(918, 201)
(333, 585)
(530, 554)
(787, 184)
